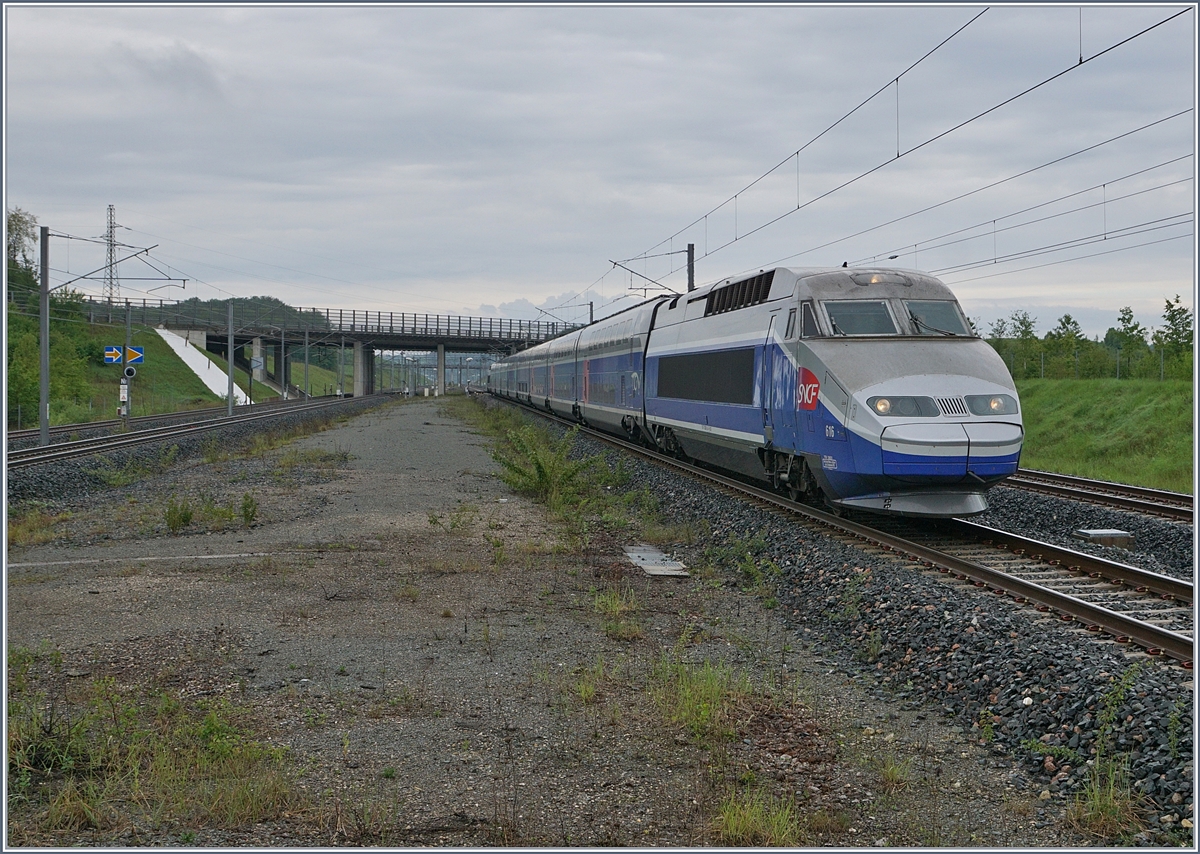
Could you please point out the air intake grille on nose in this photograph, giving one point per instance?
(952, 405)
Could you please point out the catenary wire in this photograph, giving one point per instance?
(921, 145)
(1069, 260)
(928, 244)
(796, 153)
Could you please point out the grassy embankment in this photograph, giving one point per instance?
(163, 383)
(1128, 431)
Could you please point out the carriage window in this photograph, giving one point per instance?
(809, 324)
(791, 324)
(936, 317)
(860, 317)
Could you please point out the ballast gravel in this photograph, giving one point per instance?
(92, 475)
(1050, 700)
(1159, 545)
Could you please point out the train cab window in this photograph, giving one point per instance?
(808, 326)
(860, 317)
(936, 317)
(791, 324)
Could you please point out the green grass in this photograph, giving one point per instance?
(102, 758)
(1128, 431)
(757, 818)
(702, 698)
(261, 392)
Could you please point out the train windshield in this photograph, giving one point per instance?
(937, 317)
(860, 317)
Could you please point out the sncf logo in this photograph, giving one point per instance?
(807, 389)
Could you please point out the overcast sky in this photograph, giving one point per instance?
(490, 160)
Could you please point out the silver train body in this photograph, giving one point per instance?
(864, 388)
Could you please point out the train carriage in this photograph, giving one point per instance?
(863, 388)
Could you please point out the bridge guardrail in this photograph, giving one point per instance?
(251, 315)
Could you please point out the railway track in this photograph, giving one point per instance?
(25, 457)
(1160, 502)
(62, 432)
(1128, 604)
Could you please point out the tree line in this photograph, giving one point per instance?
(1128, 350)
(72, 347)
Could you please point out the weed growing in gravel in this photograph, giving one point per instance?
(623, 630)
(872, 645)
(1058, 751)
(216, 516)
(33, 525)
(669, 533)
(617, 606)
(462, 517)
(1107, 806)
(758, 818)
(499, 554)
(104, 757)
(1175, 726)
(213, 451)
(986, 723)
(407, 593)
(587, 687)
(851, 597)
(581, 494)
(537, 466)
(615, 602)
(894, 773)
(822, 822)
(249, 509)
(702, 698)
(364, 819)
(178, 515)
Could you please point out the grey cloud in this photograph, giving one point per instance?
(178, 69)
(499, 156)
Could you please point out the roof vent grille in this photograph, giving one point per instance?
(737, 295)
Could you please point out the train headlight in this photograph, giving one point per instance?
(908, 407)
(992, 404)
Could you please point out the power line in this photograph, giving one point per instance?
(928, 244)
(990, 186)
(797, 152)
(918, 146)
(1128, 231)
(1068, 260)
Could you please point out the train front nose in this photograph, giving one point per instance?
(981, 451)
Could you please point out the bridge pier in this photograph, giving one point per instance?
(256, 352)
(364, 369)
(282, 369)
(441, 369)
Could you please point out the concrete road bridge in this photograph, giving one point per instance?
(271, 328)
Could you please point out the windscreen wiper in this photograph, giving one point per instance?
(918, 322)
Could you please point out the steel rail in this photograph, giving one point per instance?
(86, 447)
(1174, 505)
(192, 414)
(1142, 580)
(1123, 629)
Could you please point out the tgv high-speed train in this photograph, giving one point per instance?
(864, 388)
